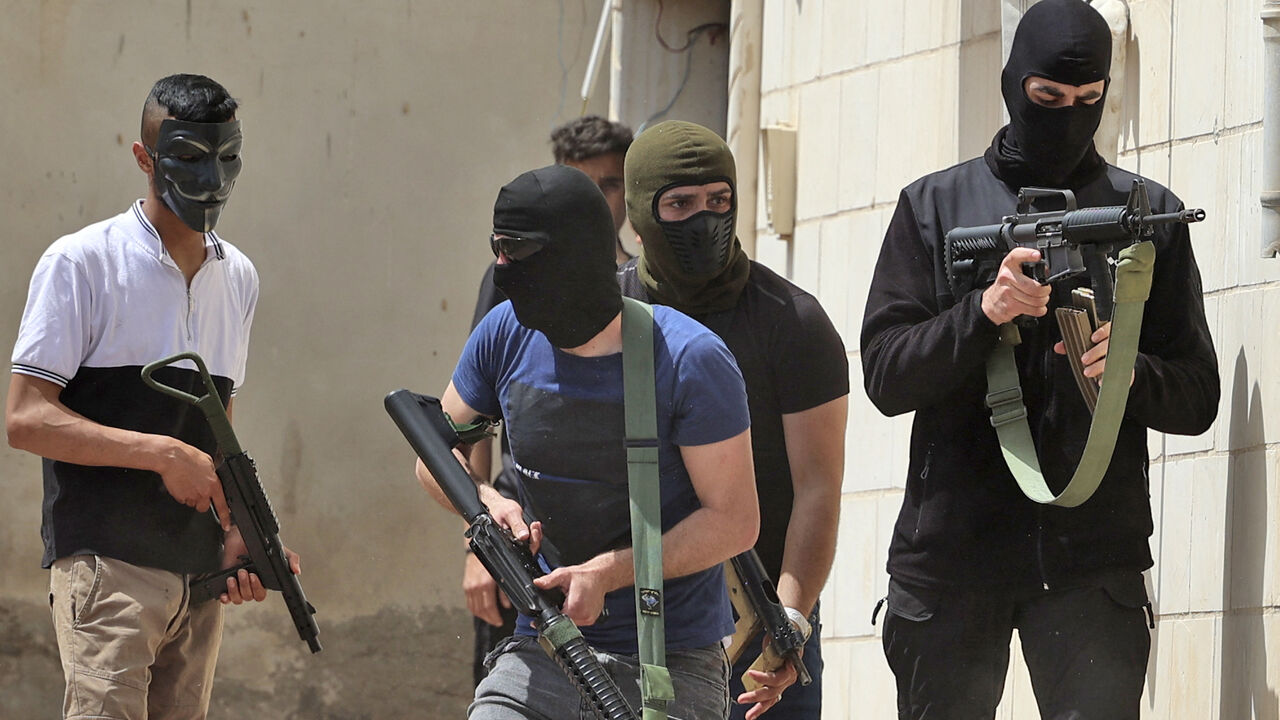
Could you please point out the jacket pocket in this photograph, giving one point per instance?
(912, 602)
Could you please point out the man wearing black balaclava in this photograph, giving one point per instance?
(549, 363)
(681, 200)
(971, 558)
(128, 478)
(595, 146)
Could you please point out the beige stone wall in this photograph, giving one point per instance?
(883, 92)
(376, 137)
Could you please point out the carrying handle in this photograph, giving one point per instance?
(210, 404)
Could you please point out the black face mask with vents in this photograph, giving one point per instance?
(702, 242)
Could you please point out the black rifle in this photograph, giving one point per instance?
(250, 509)
(432, 436)
(1070, 241)
(760, 608)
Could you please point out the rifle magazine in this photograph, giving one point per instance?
(1076, 332)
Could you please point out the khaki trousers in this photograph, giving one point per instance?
(132, 647)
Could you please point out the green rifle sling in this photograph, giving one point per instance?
(646, 504)
(1009, 415)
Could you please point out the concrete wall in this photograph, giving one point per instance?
(669, 61)
(376, 137)
(883, 92)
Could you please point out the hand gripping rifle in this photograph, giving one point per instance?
(432, 436)
(250, 509)
(756, 601)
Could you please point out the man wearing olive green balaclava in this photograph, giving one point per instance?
(681, 192)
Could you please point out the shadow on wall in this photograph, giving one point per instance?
(1244, 672)
(1130, 115)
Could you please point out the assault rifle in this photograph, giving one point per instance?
(250, 509)
(1070, 241)
(432, 436)
(756, 601)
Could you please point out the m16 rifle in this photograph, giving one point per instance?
(250, 509)
(1071, 241)
(432, 436)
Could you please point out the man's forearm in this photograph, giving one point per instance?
(428, 483)
(815, 451)
(809, 552)
(36, 421)
(696, 543)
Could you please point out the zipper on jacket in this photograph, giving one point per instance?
(1044, 578)
(924, 476)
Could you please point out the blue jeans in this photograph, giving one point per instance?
(523, 682)
(798, 702)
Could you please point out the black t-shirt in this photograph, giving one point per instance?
(792, 359)
(489, 297)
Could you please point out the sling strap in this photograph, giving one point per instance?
(1009, 414)
(643, 485)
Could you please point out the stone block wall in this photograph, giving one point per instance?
(881, 93)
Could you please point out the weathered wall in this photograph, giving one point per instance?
(883, 92)
(376, 137)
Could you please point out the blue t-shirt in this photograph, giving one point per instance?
(565, 425)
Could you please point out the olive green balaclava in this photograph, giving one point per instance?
(696, 265)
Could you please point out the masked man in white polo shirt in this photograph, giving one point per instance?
(128, 477)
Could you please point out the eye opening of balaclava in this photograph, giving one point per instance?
(1068, 42)
(568, 289)
(695, 265)
(515, 247)
(195, 168)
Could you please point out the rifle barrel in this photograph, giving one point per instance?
(1183, 216)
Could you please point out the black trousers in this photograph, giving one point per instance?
(1086, 649)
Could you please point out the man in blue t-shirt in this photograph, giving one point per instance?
(549, 362)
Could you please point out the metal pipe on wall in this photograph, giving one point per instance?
(1270, 197)
(746, 26)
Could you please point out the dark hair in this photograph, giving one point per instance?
(194, 98)
(589, 136)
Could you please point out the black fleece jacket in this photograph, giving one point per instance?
(963, 519)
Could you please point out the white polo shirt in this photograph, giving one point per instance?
(104, 302)
(110, 296)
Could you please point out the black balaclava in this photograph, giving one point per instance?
(1065, 41)
(567, 289)
(196, 164)
(695, 265)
